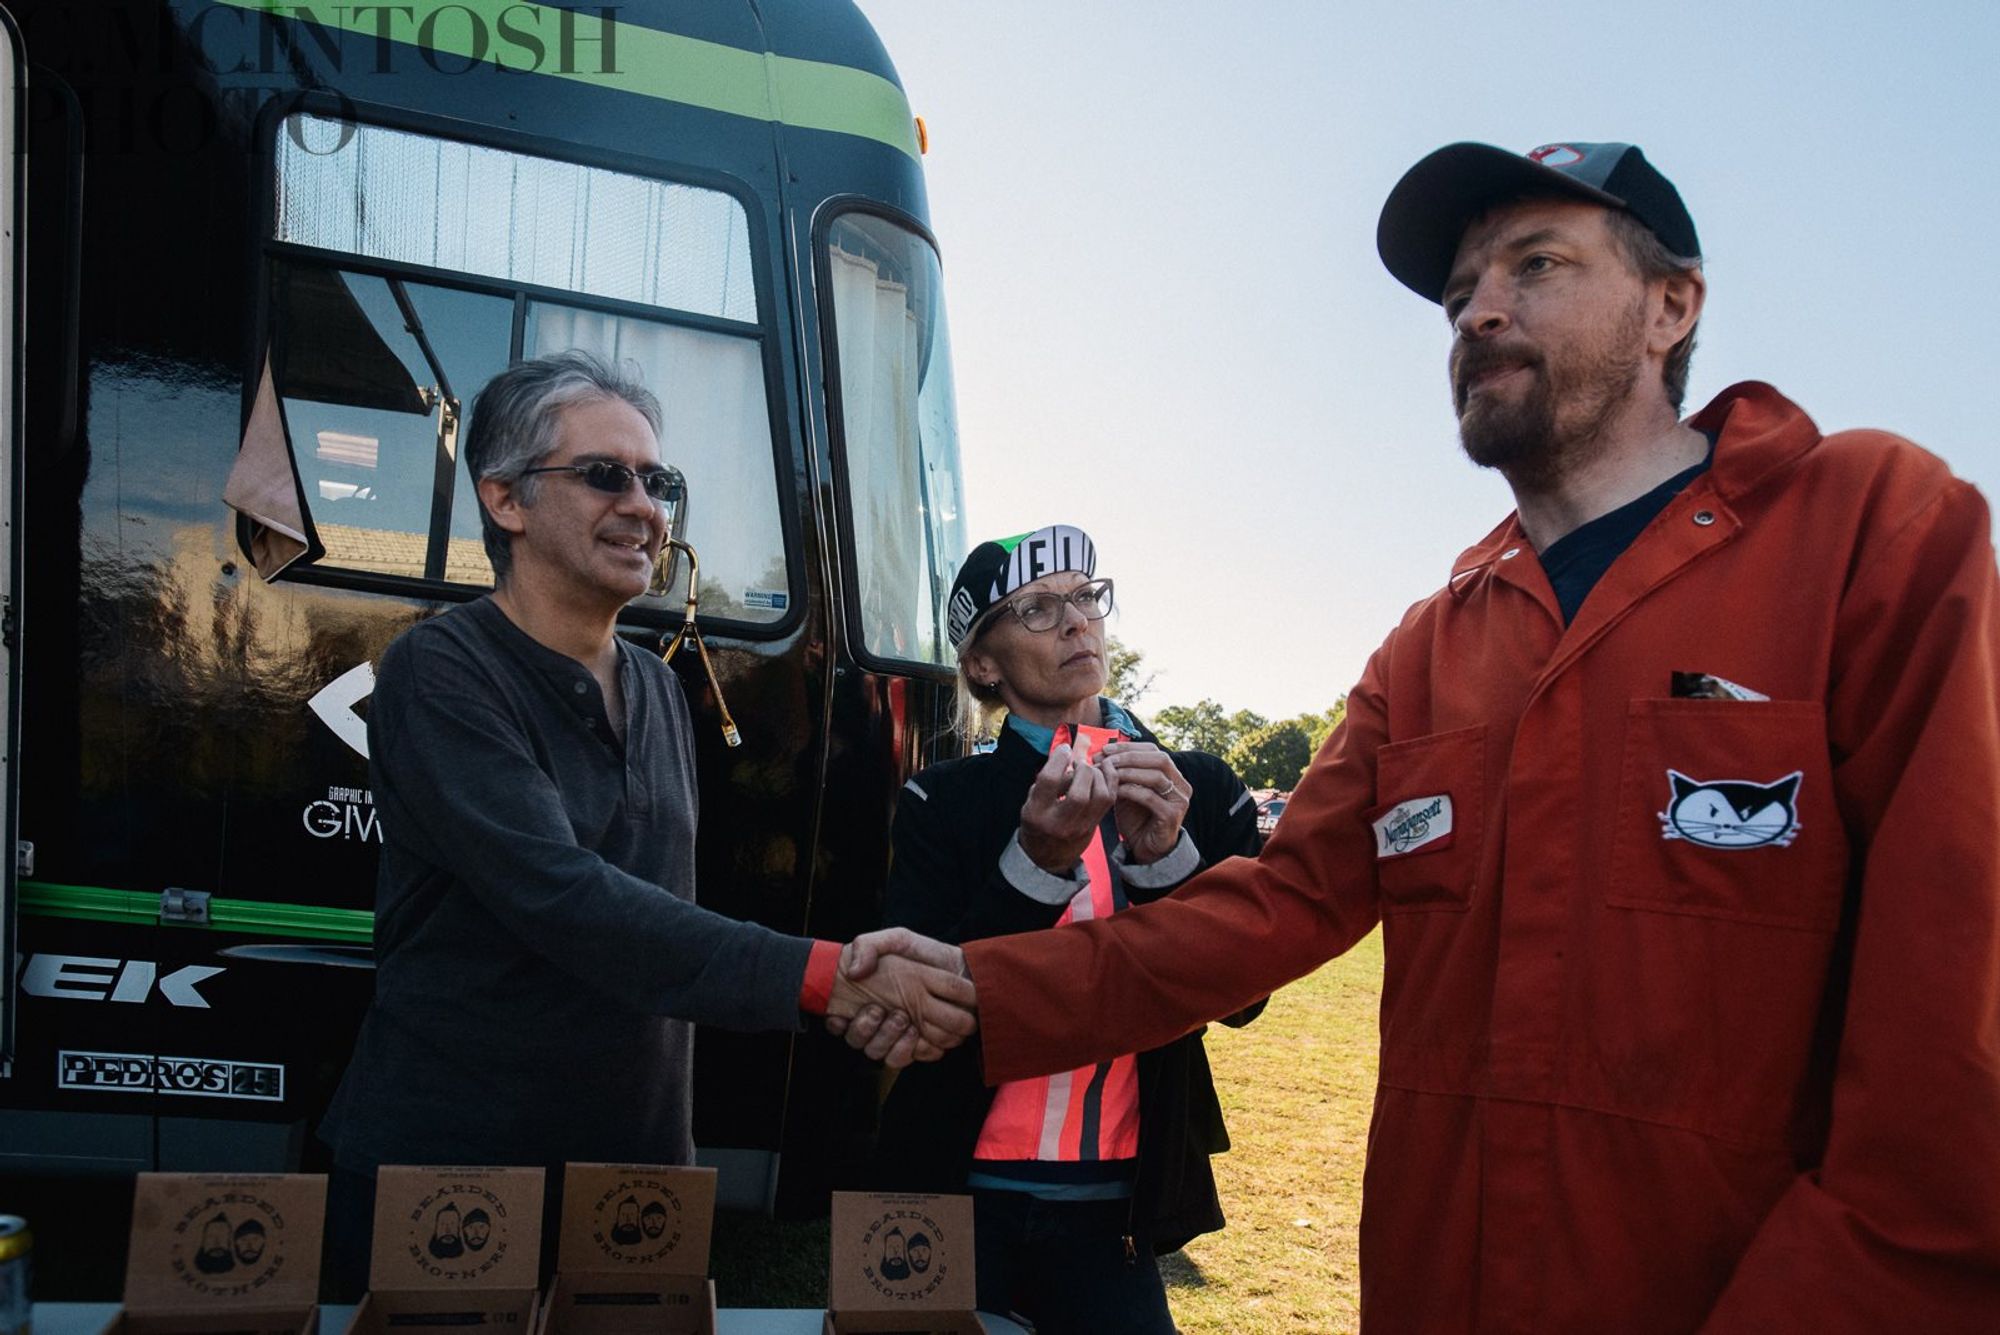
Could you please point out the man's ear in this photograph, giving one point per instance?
(499, 497)
(1681, 298)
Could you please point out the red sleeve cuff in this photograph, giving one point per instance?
(816, 992)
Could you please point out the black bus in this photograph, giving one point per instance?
(262, 255)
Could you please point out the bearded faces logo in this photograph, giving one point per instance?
(458, 1231)
(230, 1242)
(903, 1249)
(637, 1221)
(215, 1258)
(905, 1257)
(626, 1232)
(478, 1229)
(247, 1242)
(895, 1264)
(446, 1244)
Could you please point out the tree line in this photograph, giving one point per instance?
(1265, 753)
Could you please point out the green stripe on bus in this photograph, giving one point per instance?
(89, 901)
(809, 94)
(96, 904)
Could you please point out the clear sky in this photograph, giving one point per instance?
(1170, 325)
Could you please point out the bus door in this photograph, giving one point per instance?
(13, 77)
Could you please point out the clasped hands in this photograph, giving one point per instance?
(900, 997)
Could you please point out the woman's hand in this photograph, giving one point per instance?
(1150, 798)
(1067, 800)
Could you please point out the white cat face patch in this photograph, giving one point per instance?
(1408, 826)
(1732, 813)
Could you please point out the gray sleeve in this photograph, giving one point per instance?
(460, 789)
(1182, 861)
(1044, 887)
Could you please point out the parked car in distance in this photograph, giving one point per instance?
(1268, 812)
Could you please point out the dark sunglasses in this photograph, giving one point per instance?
(663, 485)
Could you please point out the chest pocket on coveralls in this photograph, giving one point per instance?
(1726, 810)
(1428, 827)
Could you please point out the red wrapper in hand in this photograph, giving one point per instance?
(1082, 737)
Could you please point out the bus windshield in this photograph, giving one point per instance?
(899, 431)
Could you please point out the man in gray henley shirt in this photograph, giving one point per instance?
(540, 959)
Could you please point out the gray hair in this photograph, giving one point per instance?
(1650, 259)
(515, 420)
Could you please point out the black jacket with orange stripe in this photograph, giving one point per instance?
(953, 822)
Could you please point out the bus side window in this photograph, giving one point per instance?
(370, 371)
(407, 270)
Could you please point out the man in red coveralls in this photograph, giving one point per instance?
(1679, 807)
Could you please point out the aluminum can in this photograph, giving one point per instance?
(17, 1309)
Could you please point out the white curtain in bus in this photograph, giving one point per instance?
(877, 336)
(717, 431)
(263, 485)
(371, 190)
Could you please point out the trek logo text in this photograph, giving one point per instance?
(88, 978)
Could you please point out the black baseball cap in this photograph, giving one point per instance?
(1427, 213)
(992, 570)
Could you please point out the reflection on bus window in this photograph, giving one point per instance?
(373, 371)
(899, 432)
(369, 371)
(717, 431)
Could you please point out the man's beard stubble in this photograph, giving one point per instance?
(1525, 439)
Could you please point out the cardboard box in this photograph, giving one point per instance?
(632, 1258)
(454, 1247)
(226, 1253)
(902, 1264)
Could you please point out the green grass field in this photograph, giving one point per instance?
(1296, 1087)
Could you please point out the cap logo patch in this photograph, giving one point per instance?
(1555, 155)
(961, 614)
(1047, 551)
(1732, 813)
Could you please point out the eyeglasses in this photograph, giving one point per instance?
(663, 485)
(1044, 611)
